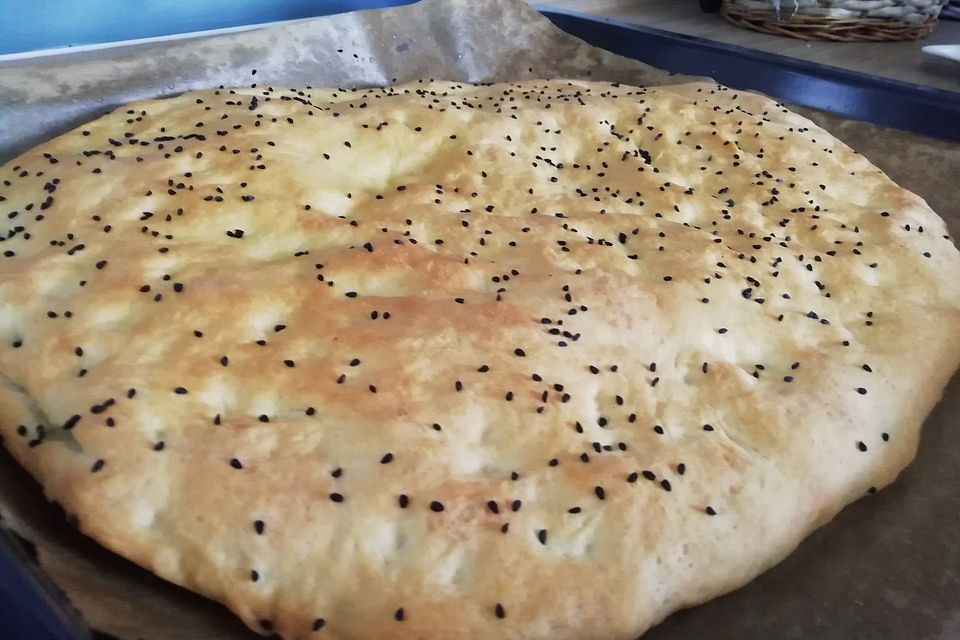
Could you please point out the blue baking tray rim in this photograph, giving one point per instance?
(915, 108)
(30, 608)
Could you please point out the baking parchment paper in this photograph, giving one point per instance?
(887, 567)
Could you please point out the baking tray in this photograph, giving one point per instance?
(31, 608)
(915, 108)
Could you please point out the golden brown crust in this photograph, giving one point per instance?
(588, 286)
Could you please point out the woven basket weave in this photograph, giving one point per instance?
(840, 20)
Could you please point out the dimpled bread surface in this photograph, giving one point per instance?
(544, 360)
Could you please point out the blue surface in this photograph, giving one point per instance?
(32, 25)
(30, 606)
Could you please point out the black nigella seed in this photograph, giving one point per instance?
(97, 465)
(492, 505)
(710, 511)
(665, 484)
(180, 391)
(259, 527)
(387, 458)
(633, 477)
(236, 464)
(159, 446)
(403, 501)
(336, 497)
(542, 536)
(600, 493)
(500, 612)
(861, 391)
(436, 506)
(398, 615)
(861, 446)
(318, 624)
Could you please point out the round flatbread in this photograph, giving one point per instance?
(545, 360)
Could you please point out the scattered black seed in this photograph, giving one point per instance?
(336, 497)
(436, 506)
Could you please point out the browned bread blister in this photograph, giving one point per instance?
(545, 360)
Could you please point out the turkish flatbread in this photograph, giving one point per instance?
(546, 360)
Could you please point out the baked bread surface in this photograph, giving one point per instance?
(545, 360)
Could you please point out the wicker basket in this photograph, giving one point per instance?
(840, 20)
